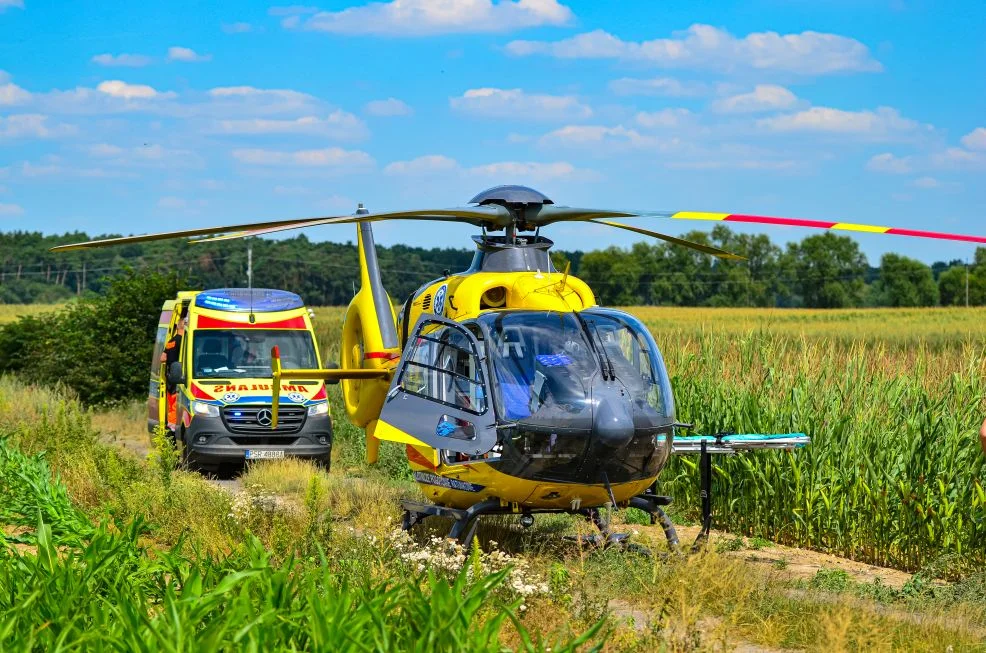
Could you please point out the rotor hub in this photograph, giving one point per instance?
(511, 196)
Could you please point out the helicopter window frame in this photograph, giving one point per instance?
(478, 394)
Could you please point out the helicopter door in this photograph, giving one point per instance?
(441, 390)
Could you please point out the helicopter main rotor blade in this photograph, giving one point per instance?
(811, 224)
(370, 217)
(478, 215)
(705, 249)
(549, 213)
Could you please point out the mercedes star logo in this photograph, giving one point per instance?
(265, 417)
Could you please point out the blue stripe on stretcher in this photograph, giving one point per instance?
(554, 360)
(740, 437)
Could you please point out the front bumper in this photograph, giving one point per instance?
(209, 440)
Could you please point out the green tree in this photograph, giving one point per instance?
(99, 347)
(827, 271)
(904, 282)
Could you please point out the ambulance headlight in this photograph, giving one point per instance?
(318, 409)
(207, 410)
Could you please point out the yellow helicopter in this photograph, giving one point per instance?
(513, 392)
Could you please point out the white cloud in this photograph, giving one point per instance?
(292, 10)
(187, 55)
(261, 100)
(125, 60)
(32, 125)
(389, 107)
(116, 88)
(663, 118)
(172, 203)
(516, 104)
(11, 93)
(293, 190)
(237, 28)
(519, 170)
(338, 124)
(10, 209)
(327, 157)
(734, 164)
(104, 150)
(889, 163)
(879, 124)
(502, 170)
(976, 139)
(659, 86)
(6, 4)
(598, 138)
(146, 156)
(705, 46)
(764, 97)
(422, 165)
(927, 182)
(428, 17)
(956, 157)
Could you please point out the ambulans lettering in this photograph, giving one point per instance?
(232, 387)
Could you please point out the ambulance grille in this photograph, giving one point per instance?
(248, 419)
(426, 302)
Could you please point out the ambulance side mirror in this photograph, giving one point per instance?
(175, 374)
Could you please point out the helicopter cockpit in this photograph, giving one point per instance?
(549, 395)
(579, 395)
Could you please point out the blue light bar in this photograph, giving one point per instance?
(243, 300)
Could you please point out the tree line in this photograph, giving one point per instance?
(820, 271)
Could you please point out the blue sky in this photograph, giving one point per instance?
(134, 117)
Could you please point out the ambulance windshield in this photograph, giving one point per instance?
(224, 353)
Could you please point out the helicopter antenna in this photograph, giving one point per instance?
(564, 279)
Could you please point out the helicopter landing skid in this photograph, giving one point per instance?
(465, 521)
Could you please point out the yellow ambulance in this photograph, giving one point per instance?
(211, 378)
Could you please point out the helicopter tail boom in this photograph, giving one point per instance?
(369, 341)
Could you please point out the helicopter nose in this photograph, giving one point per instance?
(613, 422)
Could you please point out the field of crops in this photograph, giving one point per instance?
(892, 399)
(10, 312)
(101, 550)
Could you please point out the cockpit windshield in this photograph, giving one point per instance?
(542, 364)
(545, 366)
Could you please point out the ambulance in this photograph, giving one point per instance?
(214, 395)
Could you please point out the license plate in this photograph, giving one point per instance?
(264, 454)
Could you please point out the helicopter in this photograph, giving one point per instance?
(511, 389)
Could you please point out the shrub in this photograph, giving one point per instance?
(99, 347)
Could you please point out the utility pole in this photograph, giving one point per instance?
(967, 285)
(250, 266)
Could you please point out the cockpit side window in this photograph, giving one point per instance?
(443, 366)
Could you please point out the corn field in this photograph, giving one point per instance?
(894, 475)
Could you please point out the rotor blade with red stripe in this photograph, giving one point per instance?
(815, 224)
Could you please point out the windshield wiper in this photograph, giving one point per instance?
(605, 364)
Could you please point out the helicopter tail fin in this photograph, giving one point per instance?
(369, 339)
